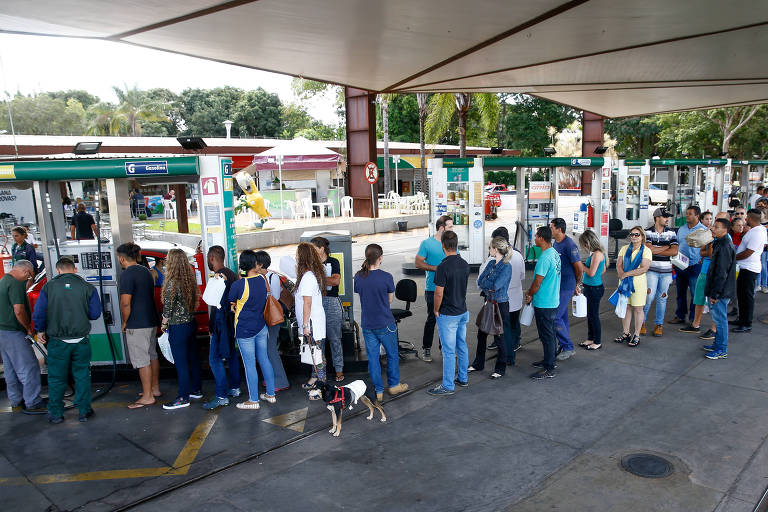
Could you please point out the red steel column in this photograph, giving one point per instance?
(361, 147)
(591, 137)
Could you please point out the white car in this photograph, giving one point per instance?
(657, 193)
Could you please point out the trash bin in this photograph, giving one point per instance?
(402, 225)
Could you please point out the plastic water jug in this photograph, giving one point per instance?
(579, 306)
(214, 291)
(526, 316)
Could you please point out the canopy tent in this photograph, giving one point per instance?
(611, 57)
(299, 154)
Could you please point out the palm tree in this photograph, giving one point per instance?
(134, 108)
(443, 106)
(384, 99)
(421, 99)
(100, 116)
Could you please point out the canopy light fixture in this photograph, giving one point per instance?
(724, 154)
(192, 143)
(495, 150)
(86, 148)
(549, 151)
(600, 150)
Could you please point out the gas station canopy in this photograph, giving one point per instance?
(611, 57)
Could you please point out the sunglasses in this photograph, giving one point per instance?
(635, 235)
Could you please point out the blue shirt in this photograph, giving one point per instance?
(495, 278)
(692, 253)
(569, 254)
(432, 252)
(374, 290)
(548, 265)
(597, 279)
(250, 297)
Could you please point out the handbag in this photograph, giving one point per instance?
(273, 311)
(309, 352)
(489, 318)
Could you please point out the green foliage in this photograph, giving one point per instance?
(308, 89)
(85, 98)
(258, 114)
(205, 110)
(403, 118)
(526, 121)
(636, 137)
(508, 178)
(43, 115)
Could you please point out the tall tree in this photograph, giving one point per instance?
(528, 121)
(99, 119)
(42, 114)
(384, 101)
(259, 114)
(422, 99)
(85, 98)
(135, 108)
(444, 107)
(205, 110)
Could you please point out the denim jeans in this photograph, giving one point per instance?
(594, 295)
(545, 323)
(281, 379)
(183, 340)
(562, 329)
(429, 325)
(453, 336)
(374, 339)
(515, 335)
(332, 308)
(719, 312)
(764, 269)
(503, 344)
(658, 284)
(252, 349)
(223, 381)
(686, 280)
(745, 292)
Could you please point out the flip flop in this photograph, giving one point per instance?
(339, 377)
(138, 405)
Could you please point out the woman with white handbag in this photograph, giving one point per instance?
(632, 264)
(310, 314)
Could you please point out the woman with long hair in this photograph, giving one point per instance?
(263, 262)
(377, 290)
(494, 283)
(249, 297)
(632, 264)
(331, 303)
(593, 288)
(181, 296)
(308, 294)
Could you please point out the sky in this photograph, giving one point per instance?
(33, 64)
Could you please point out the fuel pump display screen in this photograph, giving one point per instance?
(90, 260)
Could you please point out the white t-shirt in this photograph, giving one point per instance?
(753, 199)
(308, 288)
(754, 239)
(515, 289)
(274, 285)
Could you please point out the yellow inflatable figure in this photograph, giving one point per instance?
(253, 198)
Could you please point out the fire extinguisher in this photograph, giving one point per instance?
(714, 198)
(590, 215)
(6, 258)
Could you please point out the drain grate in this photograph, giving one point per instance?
(647, 465)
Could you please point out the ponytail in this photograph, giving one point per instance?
(502, 245)
(372, 254)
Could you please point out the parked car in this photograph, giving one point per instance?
(657, 193)
(494, 188)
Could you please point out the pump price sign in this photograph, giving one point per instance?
(371, 173)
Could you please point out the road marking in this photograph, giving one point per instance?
(180, 466)
(294, 420)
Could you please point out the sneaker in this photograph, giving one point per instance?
(196, 395)
(518, 347)
(234, 392)
(708, 348)
(400, 388)
(658, 331)
(716, 354)
(709, 335)
(493, 346)
(691, 329)
(215, 403)
(543, 374)
(741, 329)
(427, 355)
(765, 289)
(253, 406)
(539, 364)
(496, 375)
(461, 383)
(84, 417)
(440, 391)
(643, 330)
(267, 398)
(41, 407)
(176, 404)
(565, 354)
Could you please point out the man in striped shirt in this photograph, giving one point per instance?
(662, 241)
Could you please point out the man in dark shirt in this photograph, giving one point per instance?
(331, 303)
(221, 325)
(721, 286)
(83, 225)
(570, 284)
(452, 316)
(137, 306)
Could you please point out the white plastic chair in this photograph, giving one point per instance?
(169, 209)
(306, 205)
(295, 213)
(346, 206)
(189, 207)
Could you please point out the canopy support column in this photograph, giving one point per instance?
(361, 147)
(591, 137)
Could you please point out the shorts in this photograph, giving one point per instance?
(142, 346)
(698, 297)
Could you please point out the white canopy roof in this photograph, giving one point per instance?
(612, 57)
(299, 146)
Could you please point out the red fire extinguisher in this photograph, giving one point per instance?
(590, 215)
(6, 258)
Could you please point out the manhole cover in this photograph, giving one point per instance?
(647, 465)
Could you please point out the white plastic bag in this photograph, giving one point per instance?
(526, 315)
(214, 291)
(165, 346)
(310, 354)
(621, 307)
(579, 306)
(680, 260)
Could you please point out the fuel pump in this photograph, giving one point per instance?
(537, 204)
(632, 193)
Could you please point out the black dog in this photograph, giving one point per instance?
(338, 398)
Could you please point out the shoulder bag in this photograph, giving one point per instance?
(489, 318)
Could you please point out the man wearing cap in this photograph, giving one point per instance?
(662, 241)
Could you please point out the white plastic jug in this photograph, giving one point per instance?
(526, 316)
(579, 306)
(214, 291)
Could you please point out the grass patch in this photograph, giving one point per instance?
(172, 226)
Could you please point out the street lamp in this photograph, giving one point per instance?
(228, 125)
(396, 159)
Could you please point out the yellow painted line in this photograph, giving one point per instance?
(183, 462)
(294, 420)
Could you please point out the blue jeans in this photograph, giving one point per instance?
(719, 312)
(561, 321)
(250, 350)
(184, 349)
(386, 337)
(220, 372)
(764, 269)
(453, 336)
(281, 379)
(686, 280)
(545, 323)
(594, 295)
(658, 284)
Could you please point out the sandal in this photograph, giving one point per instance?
(635, 341)
(594, 347)
(139, 405)
(586, 343)
(307, 385)
(622, 338)
(339, 377)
